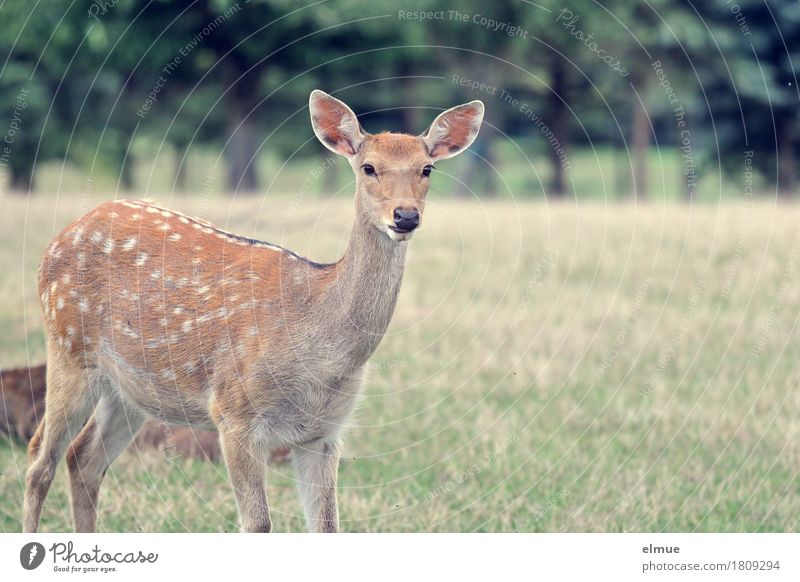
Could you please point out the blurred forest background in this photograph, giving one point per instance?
(665, 99)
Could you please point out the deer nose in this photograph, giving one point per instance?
(406, 220)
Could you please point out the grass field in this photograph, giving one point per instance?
(575, 367)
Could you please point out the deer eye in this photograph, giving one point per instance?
(426, 171)
(369, 169)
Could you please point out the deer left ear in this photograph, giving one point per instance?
(454, 130)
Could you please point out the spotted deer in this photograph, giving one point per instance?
(151, 313)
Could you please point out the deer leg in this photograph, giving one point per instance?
(68, 405)
(110, 430)
(246, 471)
(316, 467)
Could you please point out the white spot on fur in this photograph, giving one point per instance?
(156, 274)
(136, 216)
(77, 235)
(141, 259)
(60, 303)
(108, 246)
(204, 289)
(174, 237)
(129, 244)
(177, 310)
(97, 236)
(83, 304)
(65, 278)
(187, 326)
(53, 286)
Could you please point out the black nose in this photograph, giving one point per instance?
(406, 220)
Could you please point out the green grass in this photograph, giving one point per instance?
(550, 367)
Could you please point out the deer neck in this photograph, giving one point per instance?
(362, 295)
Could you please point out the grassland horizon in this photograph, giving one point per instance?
(569, 366)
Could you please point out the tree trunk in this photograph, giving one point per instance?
(412, 115)
(558, 125)
(786, 163)
(640, 144)
(22, 179)
(126, 172)
(472, 182)
(242, 149)
(181, 161)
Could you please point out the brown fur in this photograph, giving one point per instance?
(22, 401)
(22, 393)
(152, 313)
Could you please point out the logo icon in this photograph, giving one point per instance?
(31, 555)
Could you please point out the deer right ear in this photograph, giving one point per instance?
(335, 124)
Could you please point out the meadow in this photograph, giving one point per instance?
(578, 366)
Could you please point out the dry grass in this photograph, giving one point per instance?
(577, 367)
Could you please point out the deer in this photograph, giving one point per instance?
(149, 313)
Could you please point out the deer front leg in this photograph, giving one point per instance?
(246, 470)
(316, 468)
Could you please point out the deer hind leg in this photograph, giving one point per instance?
(68, 405)
(110, 430)
(316, 468)
(246, 470)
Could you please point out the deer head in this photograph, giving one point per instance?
(392, 169)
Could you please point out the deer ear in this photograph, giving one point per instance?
(454, 130)
(335, 124)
